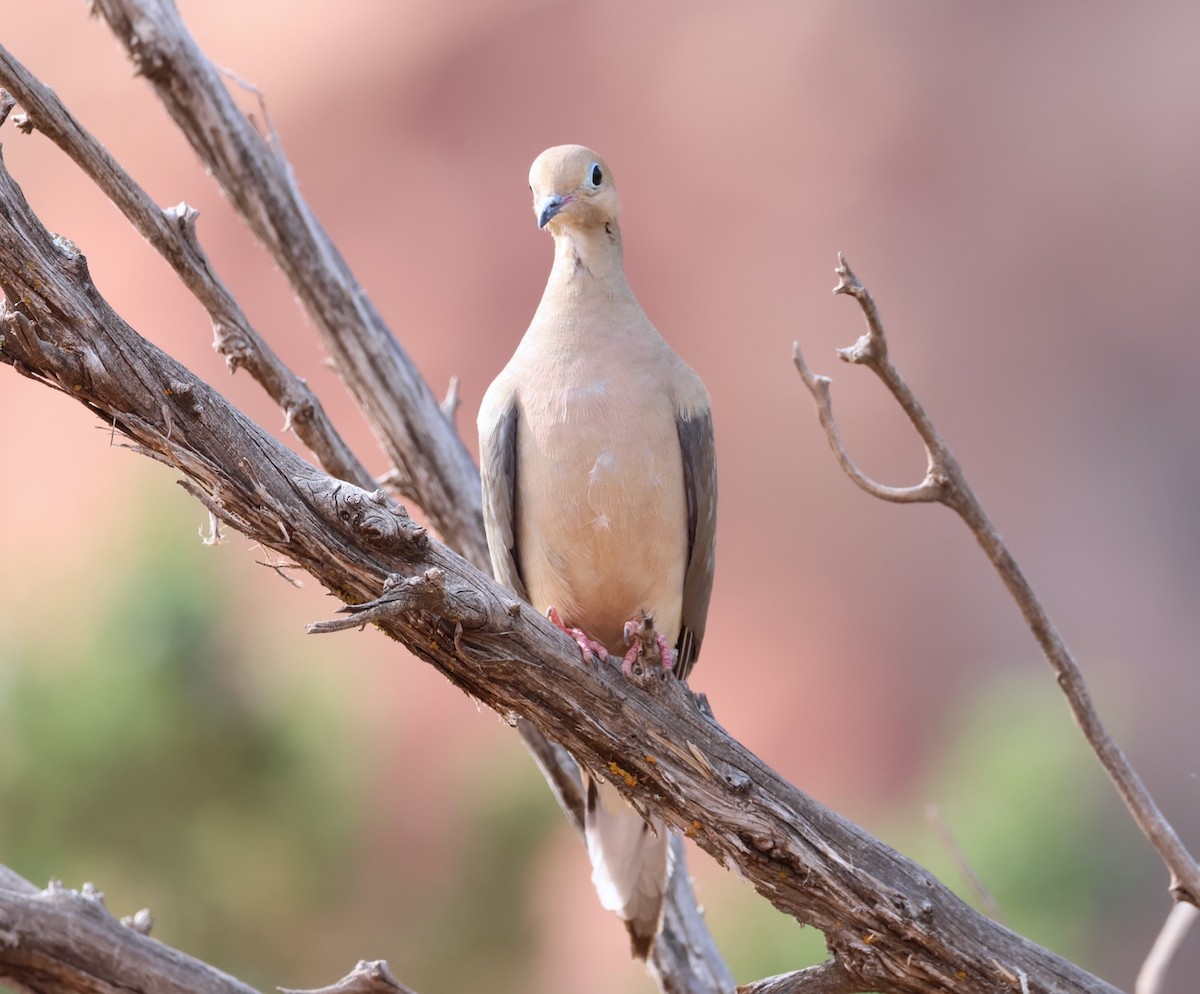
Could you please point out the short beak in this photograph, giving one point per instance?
(550, 207)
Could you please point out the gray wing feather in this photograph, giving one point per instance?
(498, 471)
(700, 484)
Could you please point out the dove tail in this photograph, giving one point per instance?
(630, 862)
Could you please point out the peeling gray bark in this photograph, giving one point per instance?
(60, 941)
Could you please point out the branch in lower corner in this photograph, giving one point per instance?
(825, 978)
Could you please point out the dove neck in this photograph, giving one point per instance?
(588, 253)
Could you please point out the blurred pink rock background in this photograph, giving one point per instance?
(1017, 185)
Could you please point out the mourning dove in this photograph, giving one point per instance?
(600, 488)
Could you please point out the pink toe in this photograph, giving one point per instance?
(628, 660)
(664, 650)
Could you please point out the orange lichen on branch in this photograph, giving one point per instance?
(623, 774)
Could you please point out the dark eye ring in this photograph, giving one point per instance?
(597, 176)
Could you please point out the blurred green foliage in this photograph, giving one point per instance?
(478, 933)
(1027, 802)
(136, 757)
(142, 748)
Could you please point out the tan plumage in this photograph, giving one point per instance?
(600, 483)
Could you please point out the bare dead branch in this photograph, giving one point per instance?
(946, 483)
(825, 978)
(172, 232)
(433, 464)
(61, 941)
(685, 958)
(371, 977)
(11, 880)
(562, 775)
(818, 386)
(1153, 974)
(888, 923)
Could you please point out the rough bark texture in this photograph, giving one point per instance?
(60, 941)
(888, 923)
(432, 465)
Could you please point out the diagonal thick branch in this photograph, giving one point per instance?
(61, 941)
(685, 958)
(433, 467)
(172, 232)
(889, 924)
(945, 483)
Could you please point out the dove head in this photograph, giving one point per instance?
(572, 188)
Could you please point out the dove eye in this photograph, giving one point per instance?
(597, 176)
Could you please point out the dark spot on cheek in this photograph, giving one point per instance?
(608, 227)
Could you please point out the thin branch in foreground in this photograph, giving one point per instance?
(1153, 974)
(945, 483)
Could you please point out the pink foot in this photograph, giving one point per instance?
(587, 645)
(645, 641)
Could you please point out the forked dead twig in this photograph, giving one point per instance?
(945, 483)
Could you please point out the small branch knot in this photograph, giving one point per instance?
(370, 515)
(449, 406)
(861, 352)
(297, 410)
(367, 977)
(738, 780)
(405, 594)
(232, 343)
(7, 103)
(67, 248)
(141, 922)
(94, 895)
(847, 281)
(183, 216)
